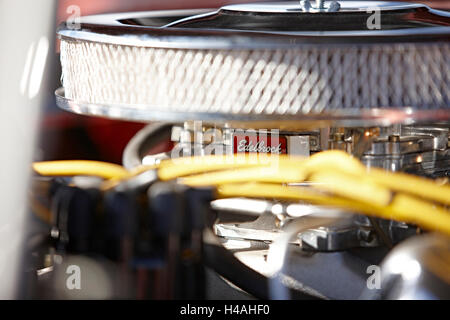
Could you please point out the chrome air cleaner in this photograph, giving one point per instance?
(271, 62)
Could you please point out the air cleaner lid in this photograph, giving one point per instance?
(327, 16)
(282, 24)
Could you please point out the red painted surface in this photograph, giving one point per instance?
(256, 143)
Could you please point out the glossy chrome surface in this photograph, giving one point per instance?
(147, 29)
(255, 28)
(365, 118)
(417, 269)
(346, 6)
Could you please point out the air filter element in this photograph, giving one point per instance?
(260, 61)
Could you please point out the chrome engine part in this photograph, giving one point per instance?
(272, 65)
(281, 78)
(420, 150)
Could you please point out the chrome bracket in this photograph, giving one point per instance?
(306, 6)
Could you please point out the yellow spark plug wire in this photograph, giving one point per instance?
(417, 186)
(402, 207)
(286, 173)
(80, 167)
(180, 167)
(283, 170)
(334, 171)
(339, 180)
(351, 186)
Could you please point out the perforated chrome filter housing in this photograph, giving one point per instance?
(256, 70)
